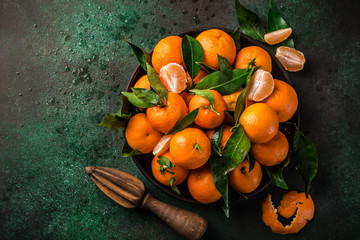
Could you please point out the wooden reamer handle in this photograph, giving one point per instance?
(189, 225)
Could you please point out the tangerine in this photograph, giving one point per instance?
(244, 181)
(164, 174)
(214, 42)
(143, 82)
(168, 50)
(190, 148)
(283, 100)
(272, 152)
(247, 54)
(141, 135)
(207, 118)
(164, 118)
(260, 122)
(201, 185)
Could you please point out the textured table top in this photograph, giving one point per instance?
(63, 66)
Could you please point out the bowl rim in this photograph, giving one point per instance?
(296, 115)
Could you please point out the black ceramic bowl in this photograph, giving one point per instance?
(144, 161)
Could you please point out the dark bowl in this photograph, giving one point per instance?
(144, 161)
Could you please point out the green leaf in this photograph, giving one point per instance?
(305, 159)
(251, 162)
(120, 119)
(184, 122)
(276, 22)
(155, 82)
(192, 52)
(206, 94)
(206, 67)
(236, 149)
(147, 95)
(249, 22)
(236, 35)
(174, 187)
(243, 195)
(141, 55)
(223, 63)
(214, 82)
(220, 180)
(112, 121)
(275, 175)
(241, 100)
(136, 101)
(127, 151)
(164, 161)
(126, 108)
(215, 140)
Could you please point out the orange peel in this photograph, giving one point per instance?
(292, 203)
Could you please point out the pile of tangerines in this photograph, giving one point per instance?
(185, 154)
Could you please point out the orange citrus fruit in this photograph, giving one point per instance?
(168, 50)
(292, 60)
(244, 181)
(214, 42)
(292, 203)
(260, 122)
(201, 185)
(278, 36)
(143, 82)
(200, 76)
(261, 86)
(163, 176)
(247, 54)
(141, 135)
(190, 148)
(173, 76)
(230, 100)
(164, 118)
(187, 97)
(272, 152)
(226, 133)
(283, 100)
(206, 118)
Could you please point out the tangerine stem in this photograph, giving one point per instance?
(242, 169)
(197, 147)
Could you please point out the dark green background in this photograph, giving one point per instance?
(63, 66)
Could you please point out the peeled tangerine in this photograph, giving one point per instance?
(278, 36)
(292, 203)
(261, 86)
(292, 60)
(174, 78)
(163, 145)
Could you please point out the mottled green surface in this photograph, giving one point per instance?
(62, 67)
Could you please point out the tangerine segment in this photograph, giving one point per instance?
(260, 122)
(278, 36)
(163, 145)
(143, 82)
(261, 86)
(230, 100)
(244, 181)
(174, 78)
(292, 60)
(168, 50)
(190, 148)
(283, 100)
(214, 42)
(247, 54)
(272, 152)
(207, 118)
(201, 185)
(290, 202)
(141, 135)
(163, 176)
(164, 118)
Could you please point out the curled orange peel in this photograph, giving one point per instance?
(291, 203)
